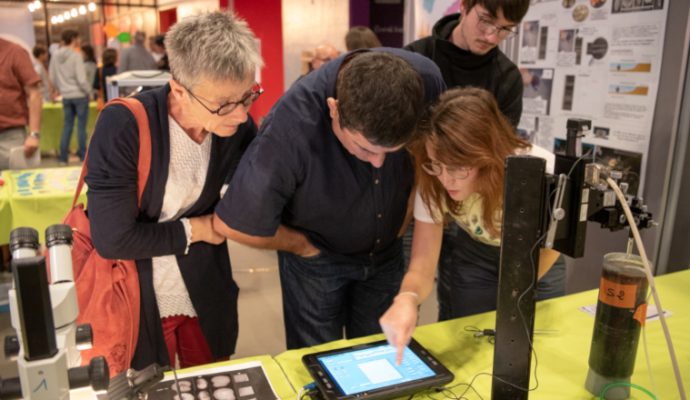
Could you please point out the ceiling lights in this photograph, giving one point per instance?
(66, 15)
(34, 5)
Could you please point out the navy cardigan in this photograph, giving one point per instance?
(121, 231)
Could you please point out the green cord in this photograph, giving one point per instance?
(632, 385)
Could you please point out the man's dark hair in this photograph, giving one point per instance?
(159, 40)
(513, 10)
(89, 54)
(381, 96)
(109, 57)
(361, 37)
(68, 36)
(39, 50)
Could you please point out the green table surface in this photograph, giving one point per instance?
(52, 120)
(5, 213)
(37, 198)
(562, 355)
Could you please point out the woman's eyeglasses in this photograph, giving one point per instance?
(435, 168)
(230, 106)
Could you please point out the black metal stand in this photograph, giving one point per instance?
(523, 206)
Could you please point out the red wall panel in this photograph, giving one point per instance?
(167, 19)
(265, 19)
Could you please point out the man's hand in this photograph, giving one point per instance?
(307, 249)
(399, 321)
(202, 230)
(30, 146)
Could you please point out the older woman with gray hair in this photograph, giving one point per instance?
(199, 130)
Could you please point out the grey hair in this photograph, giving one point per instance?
(217, 45)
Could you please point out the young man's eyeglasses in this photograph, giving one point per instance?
(230, 106)
(435, 168)
(487, 26)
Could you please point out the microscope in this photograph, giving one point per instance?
(48, 342)
(63, 295)
(551, 211)
(42, 358)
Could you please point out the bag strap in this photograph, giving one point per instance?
(144, 162)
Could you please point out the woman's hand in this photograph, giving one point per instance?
(399, 321)
(202, 230)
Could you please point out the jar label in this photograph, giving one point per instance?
(617, 294)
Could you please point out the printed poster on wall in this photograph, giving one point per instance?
(421, 15)
(598, 60)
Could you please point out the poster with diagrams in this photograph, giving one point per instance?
(597, 60)
(421, 15)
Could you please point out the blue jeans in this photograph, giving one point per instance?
(468, 276)
(80, 108)
(324, 294)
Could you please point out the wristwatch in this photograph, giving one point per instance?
(36, 135)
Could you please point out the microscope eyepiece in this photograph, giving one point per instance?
(23, 237)
(58, 234)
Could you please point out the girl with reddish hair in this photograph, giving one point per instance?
(459, 162)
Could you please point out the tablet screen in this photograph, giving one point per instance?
(372, 368)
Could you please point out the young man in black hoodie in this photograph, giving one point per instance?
(464, 46)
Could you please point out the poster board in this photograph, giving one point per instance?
(598, 60)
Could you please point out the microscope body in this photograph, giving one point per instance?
(43, 369)
(63, 297)
(44, 317)
(45, 379)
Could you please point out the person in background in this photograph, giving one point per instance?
(108, 68)
(323, 53)
(136, 57)
(465, 48)
(20, 102)
(327, 183)
(54, 47)
(157, 46)
(90, 66)
(199, 130)
(361, 37)
(41, 66)
(459, 159)
(68, 73)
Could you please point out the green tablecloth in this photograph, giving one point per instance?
(562, 355)
(5, 213)
(52, 119)
(37, 198)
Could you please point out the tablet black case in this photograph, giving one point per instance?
(329, 390)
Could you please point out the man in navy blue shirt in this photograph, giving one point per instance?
(327, 183)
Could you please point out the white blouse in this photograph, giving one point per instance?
(186, 178)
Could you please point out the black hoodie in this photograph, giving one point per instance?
(492, 71)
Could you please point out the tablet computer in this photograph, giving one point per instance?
(368, 371)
